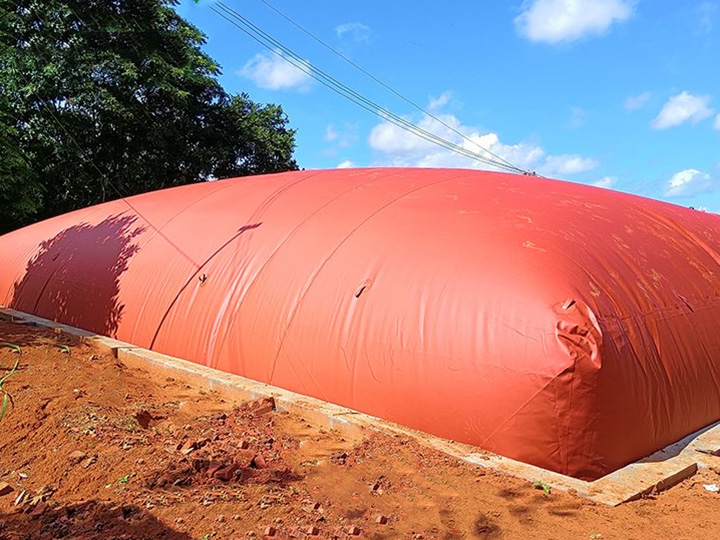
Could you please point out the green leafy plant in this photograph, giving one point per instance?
(6, 397)
(103, 99)
(12, 346)
(121, 482)
(542, 485)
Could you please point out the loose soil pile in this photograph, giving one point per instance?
(94, 450)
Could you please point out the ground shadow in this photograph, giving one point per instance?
(74, 277)
(28, 334)
(92, 520)
(675, 449)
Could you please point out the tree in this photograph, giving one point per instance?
(108, 98)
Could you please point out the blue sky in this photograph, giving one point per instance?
(619, 93)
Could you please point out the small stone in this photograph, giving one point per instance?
(237, 517)
(382, 520)
(20, 498)
(244, 445)
(270, 531)
(226, 473)
(5, 489)
(88, 461)
(312, 530)
(187, 447)
(340, 458)
(77, 456)
(258, 462)
(220, 519)
(179, 520)
(353, 530)
(39, 509)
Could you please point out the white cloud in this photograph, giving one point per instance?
(688, 182)
(356, 31)
(577, 118)
(275, 72)
(340, 138)
(330, 133)
(634, 103)
(716, 124)
(347, 164)
(439, 102)
(606, 182)
(403, 149)
(681, 108)
(556, 21)
(707, 14)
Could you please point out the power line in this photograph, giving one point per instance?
(338, 87)
(385, 85)
(268, 41)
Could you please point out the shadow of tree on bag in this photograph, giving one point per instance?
(91, 520)
(74, 277)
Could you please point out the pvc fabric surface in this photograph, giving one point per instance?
(562, 325)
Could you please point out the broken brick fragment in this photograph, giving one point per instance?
(262, 406)
(258, 462)
(187, 447)
(215, 466)
(226, 473)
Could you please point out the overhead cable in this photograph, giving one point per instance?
(387, 86)
(338, 87)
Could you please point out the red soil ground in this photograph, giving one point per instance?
(104, 452)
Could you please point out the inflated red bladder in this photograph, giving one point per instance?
(574, 328)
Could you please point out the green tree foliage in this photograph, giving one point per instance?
(108, 97)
